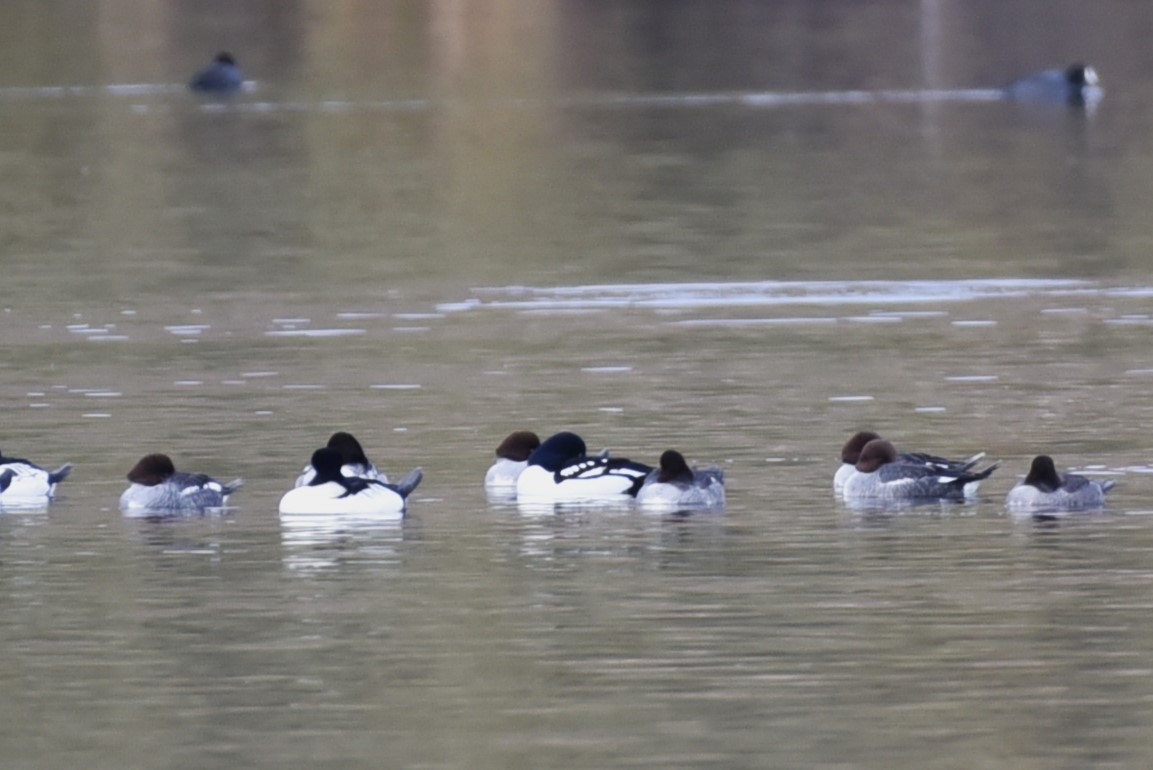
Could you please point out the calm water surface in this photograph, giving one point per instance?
(432, 225)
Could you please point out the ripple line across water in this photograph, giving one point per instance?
(760, 294)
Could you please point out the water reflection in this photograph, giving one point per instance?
(320, 543)
(559, 534)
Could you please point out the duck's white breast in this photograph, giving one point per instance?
(843, 474)
(504, 473)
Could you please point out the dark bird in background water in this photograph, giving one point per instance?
(1077, 84)
(222, 76)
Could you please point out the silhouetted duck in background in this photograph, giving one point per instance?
(1077, 84)
(222, 76)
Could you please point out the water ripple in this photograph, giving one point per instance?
(760, 294)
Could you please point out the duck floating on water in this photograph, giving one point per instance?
(28, 483)
(674, 484)
(560, 471)
(331, 492)
(882, 476)
(1077, 85)
(157, 487)
(851, 453)
(1044, 489)
(222, 76)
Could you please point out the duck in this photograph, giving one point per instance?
(511, 458)
(331, 492)
(28, 482)
(157, 487)
(355, 465)
(221, 76)
(560, 471)
(1077, 85)
(675, 484)
(882, 476)
(851, 453)
(1046, 489)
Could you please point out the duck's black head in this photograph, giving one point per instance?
(349, 448)
(152, 470)
(518, 446)
(326, 462)
(1043, 474)
(674, 467)
(1081, 75)
(558, 451)
(1081, 85)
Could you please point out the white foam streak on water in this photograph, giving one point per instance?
(754, 321)
(792, 98)
(874, 319)
(691, 100)
(315, 333)
(759, 294)
(120, 89)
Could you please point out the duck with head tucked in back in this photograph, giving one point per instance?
(157, 488)
(28, 483)
(560, 471)
(1046, 489)
(851, 453)
(511, 458)
(882, 476)
(331, 492)
(675, 485)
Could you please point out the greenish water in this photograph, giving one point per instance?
(432, 224)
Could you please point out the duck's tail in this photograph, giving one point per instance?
(230, 487)
(710, 475)
(971, 463)
(987, 472)
(410, 482)
(1107, 484)
(61, 473)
